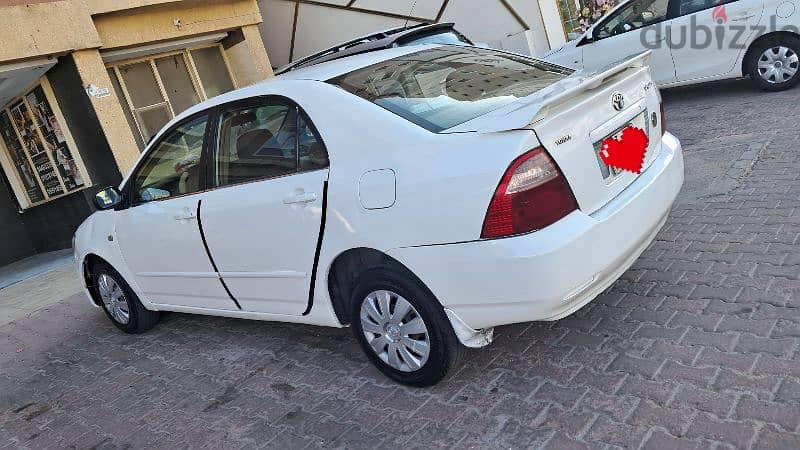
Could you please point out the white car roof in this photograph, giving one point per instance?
(331, 69)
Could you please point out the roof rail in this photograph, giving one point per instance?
(372, 42)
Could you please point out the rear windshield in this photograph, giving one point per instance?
(446, 86)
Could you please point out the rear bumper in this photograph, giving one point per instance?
(550, 274)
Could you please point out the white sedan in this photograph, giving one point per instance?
(422, 195)
(695, 41)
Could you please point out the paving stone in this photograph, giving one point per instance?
(787, 415)
(738, 434)
(659, 440)
(699, 376)
(674, 420)
(771, 438)
(717, 403)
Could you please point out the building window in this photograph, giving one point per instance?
(36, 147)
(159, 87)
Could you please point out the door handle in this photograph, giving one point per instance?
(741, 18)
(306, 197)
(186, 215)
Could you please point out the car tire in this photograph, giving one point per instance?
(119, 302)
(770, 61)
(408, 336)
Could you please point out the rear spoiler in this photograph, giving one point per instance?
(533, 108)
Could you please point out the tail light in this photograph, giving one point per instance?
(532, 195)
(663, 120)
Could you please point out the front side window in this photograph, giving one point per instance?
(265, 141)
(637, 14)
(173, 167)
(443, 87)
(692, 6)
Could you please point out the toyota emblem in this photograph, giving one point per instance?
(618, 101)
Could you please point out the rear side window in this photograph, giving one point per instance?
(256, 143)
(266, 141)
(446, 86)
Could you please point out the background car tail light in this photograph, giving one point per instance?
(663, 120)
(532, 195)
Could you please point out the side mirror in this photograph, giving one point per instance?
(108, 198)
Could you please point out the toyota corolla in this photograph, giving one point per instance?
(421, 195)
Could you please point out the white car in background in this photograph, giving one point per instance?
(422, 195)
(759, 38)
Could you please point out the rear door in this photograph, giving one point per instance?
(263, 220)
(713, 35)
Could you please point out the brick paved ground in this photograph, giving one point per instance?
(696, 347)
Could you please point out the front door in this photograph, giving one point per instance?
(709, 35)
(263, 221)
(159, 234)
(633, 29)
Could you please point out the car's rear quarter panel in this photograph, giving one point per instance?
(443, 182)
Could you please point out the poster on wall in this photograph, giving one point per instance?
(55, 143)
(20, 161)
(52, 186)
(38, 152)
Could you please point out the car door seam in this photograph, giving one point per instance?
(211, 258)
(319, 248)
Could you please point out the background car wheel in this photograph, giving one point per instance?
(402, 328)
(773, 64)
(119, 302)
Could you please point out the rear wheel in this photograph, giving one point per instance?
(120, 303)
(774, 63)
(403, 329)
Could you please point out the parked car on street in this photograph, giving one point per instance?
(695, 41)
(422, 195)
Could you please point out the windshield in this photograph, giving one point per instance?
(446, 86)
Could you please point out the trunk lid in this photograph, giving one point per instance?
(571, 118)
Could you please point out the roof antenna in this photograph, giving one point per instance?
(413, 5)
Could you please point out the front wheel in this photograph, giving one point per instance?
(120, 303)
(403, 329)
(774, 63)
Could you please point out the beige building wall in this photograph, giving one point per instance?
(104, 6)
(109, 111)
(247, 56)
(174, 20)
(68, 24)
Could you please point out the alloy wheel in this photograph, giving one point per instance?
(395, 330)
(114, 299)
(778, 64)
